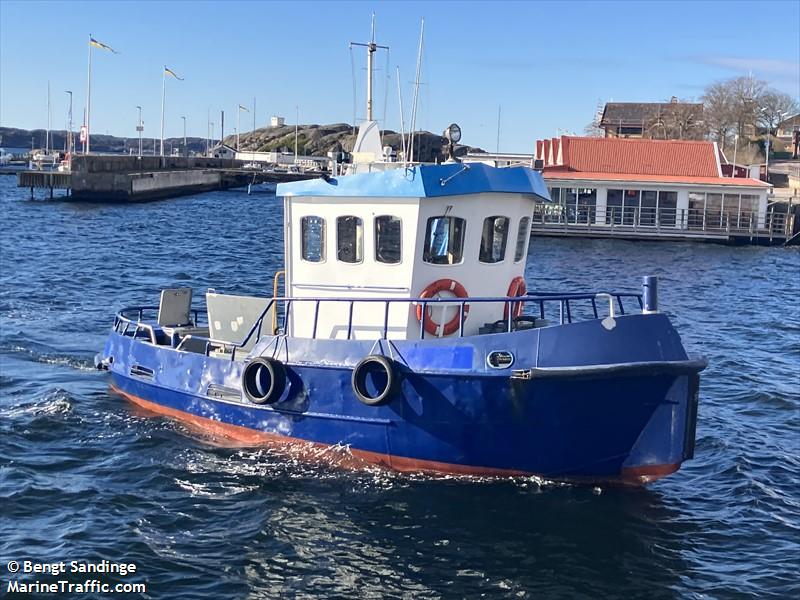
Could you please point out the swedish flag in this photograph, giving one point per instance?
(171, 72)
(102, 46)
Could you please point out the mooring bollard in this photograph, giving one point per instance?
(649, 294)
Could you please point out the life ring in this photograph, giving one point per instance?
(263, 380)
(516, 288)
(443, 285)
(374, 379)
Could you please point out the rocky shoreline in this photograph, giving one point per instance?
(313, 140)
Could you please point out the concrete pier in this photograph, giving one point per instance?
(130, 178)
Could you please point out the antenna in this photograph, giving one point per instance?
(371, 48)
(402, 123)
(416, 89)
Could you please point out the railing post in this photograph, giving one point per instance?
(386, 320)
(316, 320)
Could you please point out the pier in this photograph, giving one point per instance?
(132, 178)
(776, 226)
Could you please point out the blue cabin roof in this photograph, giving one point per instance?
(424, 181)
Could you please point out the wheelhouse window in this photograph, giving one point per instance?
(522, 237)
(444, 240)
(494, 239)
(313, 238)
(349, 239)
(388, 236)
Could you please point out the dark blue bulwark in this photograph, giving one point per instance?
(450, 408)
(423, 181)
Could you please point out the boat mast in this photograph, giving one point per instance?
(413, 124)
(371, 48)
(402, 122)
(47, 137)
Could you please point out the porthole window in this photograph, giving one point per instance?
(444, 240)
(313, 238)
(349, 239)
(388, 239)
(522, 237)
(494, 239)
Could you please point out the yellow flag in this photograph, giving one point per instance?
(101, 45)
(171, 72)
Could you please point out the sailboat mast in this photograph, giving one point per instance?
(416, 89)
(47, 137)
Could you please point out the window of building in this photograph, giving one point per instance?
(695, 218)
(630, 209)
(444, 240)
(715, 214)
(349, 239)
(388, 235)
(523, 234)
(586, 205)
(569, 200)
(647, 211)
(614, 207)
(313, 238)
(494, 239)
(667, 208)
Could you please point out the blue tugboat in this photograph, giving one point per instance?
(407, 336)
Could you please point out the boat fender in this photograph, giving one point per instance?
(516, 288)
(443, 285)
(263, 380)
(382, 374)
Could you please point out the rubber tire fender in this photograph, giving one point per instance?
(360, 372)
(253, 387)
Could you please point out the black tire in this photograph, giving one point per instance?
(263, 380)
(379, 368)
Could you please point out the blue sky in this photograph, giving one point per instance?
(547, 64)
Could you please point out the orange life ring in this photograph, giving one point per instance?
(516, 288)
(443, 285)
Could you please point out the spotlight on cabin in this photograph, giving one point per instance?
(453, 135)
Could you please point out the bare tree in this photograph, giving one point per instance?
(774, 108)
(718, 112)
(746, 93)
(679, 120)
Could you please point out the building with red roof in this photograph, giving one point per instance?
(647, 186)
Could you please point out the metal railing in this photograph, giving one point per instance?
(664, 220)
(129, 320)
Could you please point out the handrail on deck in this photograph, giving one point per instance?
(123, 322)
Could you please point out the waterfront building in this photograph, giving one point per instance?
(644, 188)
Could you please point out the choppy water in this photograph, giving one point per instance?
(83, 475)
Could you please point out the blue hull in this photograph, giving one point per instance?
(557, 416)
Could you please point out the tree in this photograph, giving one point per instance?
(593, 129)
(718, 112)
(679, 120)
(774, 108)
(746, 93)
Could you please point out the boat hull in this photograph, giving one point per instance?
(450, 413)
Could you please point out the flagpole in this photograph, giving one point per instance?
(238, 112)
(163, 97)
(88, 95)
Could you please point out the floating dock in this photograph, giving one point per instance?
(130, 178)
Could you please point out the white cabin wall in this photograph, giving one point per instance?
(479, 279)
(333, 278)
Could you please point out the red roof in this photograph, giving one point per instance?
(638, 156)
(628, 177)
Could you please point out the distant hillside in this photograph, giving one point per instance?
(21, 138)
(316, 140)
